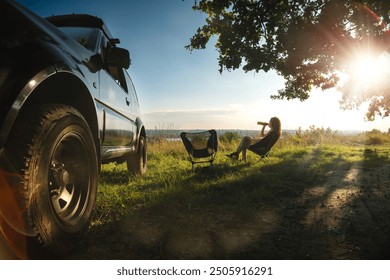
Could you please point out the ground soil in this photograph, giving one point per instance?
(345, 216)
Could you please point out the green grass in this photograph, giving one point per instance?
(170, 188)
(319, 195)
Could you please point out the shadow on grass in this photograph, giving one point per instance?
(314, 205)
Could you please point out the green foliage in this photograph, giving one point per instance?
(375, 137)
(315, 136)
(309, 43)
(230, 137)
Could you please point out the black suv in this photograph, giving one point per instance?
(67, 105)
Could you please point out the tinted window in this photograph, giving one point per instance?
(117, 74)
(80, 34)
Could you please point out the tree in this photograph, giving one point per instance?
(311, 43)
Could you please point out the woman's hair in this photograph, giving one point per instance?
(276, 124)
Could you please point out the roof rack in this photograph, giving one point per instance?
(82, 20)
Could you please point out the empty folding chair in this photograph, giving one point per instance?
(201, 146)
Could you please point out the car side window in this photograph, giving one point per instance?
(117, 74)
(132, 93)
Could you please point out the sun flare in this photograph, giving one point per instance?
(370, 70)
(366, 75)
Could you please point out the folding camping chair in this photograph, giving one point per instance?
(201, 146)
(263, 146)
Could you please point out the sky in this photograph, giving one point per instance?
(179, 89)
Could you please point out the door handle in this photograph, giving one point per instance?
(127, 101)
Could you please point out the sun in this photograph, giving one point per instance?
(369, 69)
(366, 75)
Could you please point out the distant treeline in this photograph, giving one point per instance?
(175, 133)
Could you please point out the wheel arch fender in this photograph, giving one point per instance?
(53, 86)
(141, 131)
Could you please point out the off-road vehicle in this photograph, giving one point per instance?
(67, 105)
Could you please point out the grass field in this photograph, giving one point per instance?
(236, 209)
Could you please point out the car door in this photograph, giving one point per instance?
(132, 98)
(119, 127)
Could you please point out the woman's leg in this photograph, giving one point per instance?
(244, 144)
(244, 154)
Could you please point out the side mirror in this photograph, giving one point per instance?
(118, 57)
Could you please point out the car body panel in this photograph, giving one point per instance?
(48, 51)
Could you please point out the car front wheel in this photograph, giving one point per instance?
(60, 176)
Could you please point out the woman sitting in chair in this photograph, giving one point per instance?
(266, 141)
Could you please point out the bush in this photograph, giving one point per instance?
(315, 136)
(230, 137)
(375, 137)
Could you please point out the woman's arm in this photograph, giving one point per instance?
(264, 124)
(262, 133)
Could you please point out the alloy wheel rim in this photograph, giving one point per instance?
(69, 182)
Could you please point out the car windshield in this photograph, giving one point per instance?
(81, 34)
